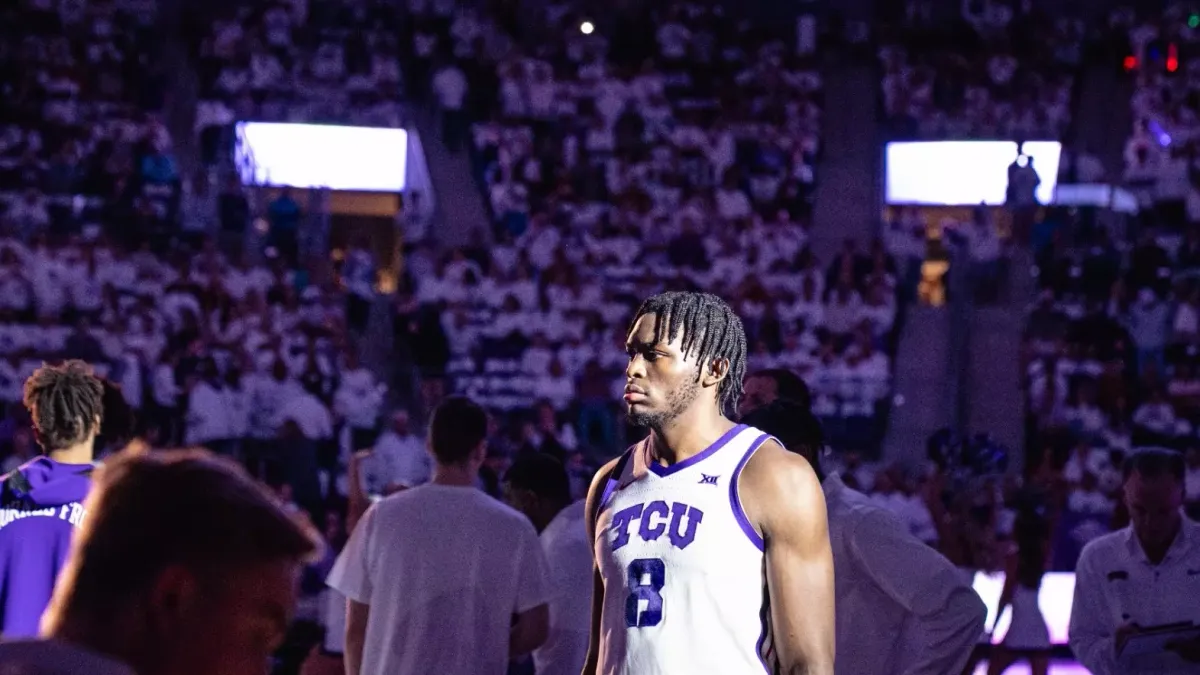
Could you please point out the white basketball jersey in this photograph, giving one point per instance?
(685, 589)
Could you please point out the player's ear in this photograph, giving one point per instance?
(715, 372)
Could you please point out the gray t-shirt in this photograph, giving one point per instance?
(48, 657)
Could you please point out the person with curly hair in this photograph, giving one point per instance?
(41, 503)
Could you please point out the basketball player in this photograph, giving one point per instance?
(712, 554)
(538, 486)
(184, 566)
(41, 502)
(442, 578)
(902, 608)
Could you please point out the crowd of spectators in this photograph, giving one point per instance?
(330, 61)
(1112, 341)
(106, 255)
(999, 69)
(682, 155)
(1160, 154)
(1111, 358)
(80, 144)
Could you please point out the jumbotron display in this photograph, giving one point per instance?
(363, 159)
(963, 173)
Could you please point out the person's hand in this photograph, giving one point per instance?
(1124, 632)
(358, 457)
(1188, 650)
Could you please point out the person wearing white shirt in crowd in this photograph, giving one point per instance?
(1143, 575)
(208, 420)
(358, 271)
(450, 88)
(902, 608)
(1156, 414)
(1087, 498)
(399, 458)
(538, 486)
(358, 400)
(474, 588)
(309, 414)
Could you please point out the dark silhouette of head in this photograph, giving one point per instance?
(538, 486)
(765, 386)
(794, 426)
(458, 432)
(66, 403)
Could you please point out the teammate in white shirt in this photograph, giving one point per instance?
(712, 553)
(538, 486)
(902, 608)
(442, 578)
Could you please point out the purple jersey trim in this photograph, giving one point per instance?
(735, 502)
(761, 648)
(664, 471)
(614, 480)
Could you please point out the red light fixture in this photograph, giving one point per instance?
(1172, 58)
(1131, 62)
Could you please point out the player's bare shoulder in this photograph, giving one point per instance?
(777, 484)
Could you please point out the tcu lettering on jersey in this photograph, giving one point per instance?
(650, 521)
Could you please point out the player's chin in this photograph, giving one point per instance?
(640, 415)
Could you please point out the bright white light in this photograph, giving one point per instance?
(586, 28)
(1054, 599)
(963, 173)
(302, 156)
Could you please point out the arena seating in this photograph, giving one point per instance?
(76, 145)
(613, 173)
(93, 261)
(1112, 341)
(992, 72)
(319, 62)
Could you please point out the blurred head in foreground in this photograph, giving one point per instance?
(184, 565)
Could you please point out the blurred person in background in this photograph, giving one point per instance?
(901, 606)
(539, 487)
(358, 400)
(41, 503)
(1140, 576)
(765, 386)
(358, 273)
(399, 460)
(284, 215)
(184, 566)
(1028, 637)
(22, 450)
(450, 88)
(474, 591)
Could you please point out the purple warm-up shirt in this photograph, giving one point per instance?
(41, 504)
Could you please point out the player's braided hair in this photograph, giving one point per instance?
(65, 401)
(711, 330)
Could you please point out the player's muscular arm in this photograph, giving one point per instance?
(782, 497)
(595, 493)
